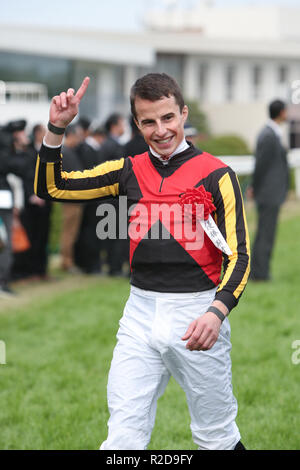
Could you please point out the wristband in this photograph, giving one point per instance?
(56, 130)
(217, 312)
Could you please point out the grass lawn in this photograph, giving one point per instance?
(59, 340)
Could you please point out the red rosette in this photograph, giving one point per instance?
(197, 196)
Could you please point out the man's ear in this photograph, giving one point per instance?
(185, 113)
(137, 124)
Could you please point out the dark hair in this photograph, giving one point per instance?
(153, 87)
(84, 123)
(98, 131)
(275, 108)
(112, 120)
(37, 128)
(134, 129)
(71, 129)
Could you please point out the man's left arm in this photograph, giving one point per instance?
(204, 331)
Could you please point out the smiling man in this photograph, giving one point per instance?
(160, 118)
(175, 320)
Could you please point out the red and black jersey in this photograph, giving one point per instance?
(164, 262)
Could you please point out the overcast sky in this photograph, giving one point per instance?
(125, 15)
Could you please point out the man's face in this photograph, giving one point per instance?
(21, 139)
(283, 115)
(161, 123)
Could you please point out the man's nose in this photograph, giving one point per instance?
(160, 129)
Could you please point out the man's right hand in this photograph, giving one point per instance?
(64, 107)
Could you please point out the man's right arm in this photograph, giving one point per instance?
(50, 181)
(53, 183)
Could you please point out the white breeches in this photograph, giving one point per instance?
(149, 350)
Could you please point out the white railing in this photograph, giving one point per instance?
(244, 165)
(2, 92)
(23, 92)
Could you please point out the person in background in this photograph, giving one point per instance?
(71, 212)
(269, 188)
(191, 133)
(114, 127)
(111, 150)
(38, 133)
(35, 216)
(89, 149)
(84, 124)
(88, 246)
(17, 165)
(85, 152)
(21, 267)
(136, 145)
(96, 138)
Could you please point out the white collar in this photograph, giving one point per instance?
(276, 128)
(92, 142)
(181, 148)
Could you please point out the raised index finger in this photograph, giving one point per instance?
(84, 86)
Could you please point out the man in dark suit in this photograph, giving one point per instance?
(270, 186)
(36, 216)
(88, 246)
(136, 145)
(71, 212)
(112, 149)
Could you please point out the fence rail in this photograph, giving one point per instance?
(244, 165)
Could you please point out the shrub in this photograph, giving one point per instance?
(197, 118)
(225, 145)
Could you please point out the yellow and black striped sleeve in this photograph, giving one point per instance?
(52, 183)
(231, 220)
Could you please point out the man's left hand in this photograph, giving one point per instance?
(203, 332)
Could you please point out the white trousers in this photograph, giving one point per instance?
(149, 350)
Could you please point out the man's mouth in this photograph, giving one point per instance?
(164, 141)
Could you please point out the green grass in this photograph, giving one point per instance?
(59, 341)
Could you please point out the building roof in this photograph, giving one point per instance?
(77, 44)
(136, 48)
(197, 43)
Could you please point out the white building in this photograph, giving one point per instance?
(60, 58)
(233, 61)
(252, 21)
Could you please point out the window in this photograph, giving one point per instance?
(256, 80)
(55, 73)
(230, 81)
(282, 74)
(171, 64)
(203, 74)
